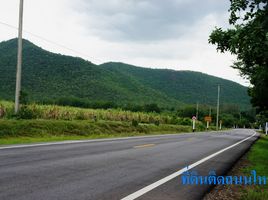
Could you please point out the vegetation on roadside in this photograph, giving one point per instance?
(51, 122)
(248, 40)
(230, 115)
(257, 158)
(54, 112)
(42, 123)
(21, 131)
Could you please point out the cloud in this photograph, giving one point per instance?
(145, 20)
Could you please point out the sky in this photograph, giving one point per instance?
(170, 34)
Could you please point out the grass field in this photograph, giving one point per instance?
(258, 158)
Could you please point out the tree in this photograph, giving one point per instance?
(248, 40)
(24, 98)
(153, 107)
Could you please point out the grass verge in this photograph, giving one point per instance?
(258, 160)
(255, 159)
(30, 131)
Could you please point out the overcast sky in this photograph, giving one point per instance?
(150, 33)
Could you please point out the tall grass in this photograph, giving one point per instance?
(259, 162)
(35, 111)
(41, 123)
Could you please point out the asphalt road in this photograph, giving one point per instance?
(114, 169)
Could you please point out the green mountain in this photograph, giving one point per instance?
(48, 75)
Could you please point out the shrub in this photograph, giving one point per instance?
(27, 112)
(186, 122)
(174, 120)
(157, 122)
(2, 111)
(80, 115)
(135, 123)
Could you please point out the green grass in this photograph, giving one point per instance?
(258, 157)
(29, 131)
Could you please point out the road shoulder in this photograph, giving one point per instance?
(254, 159)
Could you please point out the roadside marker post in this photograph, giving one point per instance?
(220, 124)
(194, 119)
(266, 128)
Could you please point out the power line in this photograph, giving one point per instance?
(45, 39)
(10, 26)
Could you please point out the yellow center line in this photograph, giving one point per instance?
(189, 139)
(144, 146)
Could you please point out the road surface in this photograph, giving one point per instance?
(117, 168)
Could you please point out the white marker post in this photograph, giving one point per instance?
(194, 119)
(266, 128)
(207, 125)
(220, 124)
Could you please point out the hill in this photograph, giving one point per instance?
(48, 76)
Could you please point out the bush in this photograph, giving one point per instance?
(200, 126)
(26, 112)
(157, 122)
(135, 123)
(174, 120)
(2, 111)
(80, 115)
(24, 98)
(186, 122)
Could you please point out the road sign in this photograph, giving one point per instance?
(208, 118)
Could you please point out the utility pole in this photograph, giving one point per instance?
(19, 60)
(197, 110)
(218, 108)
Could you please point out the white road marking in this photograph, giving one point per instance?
(174, 175)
